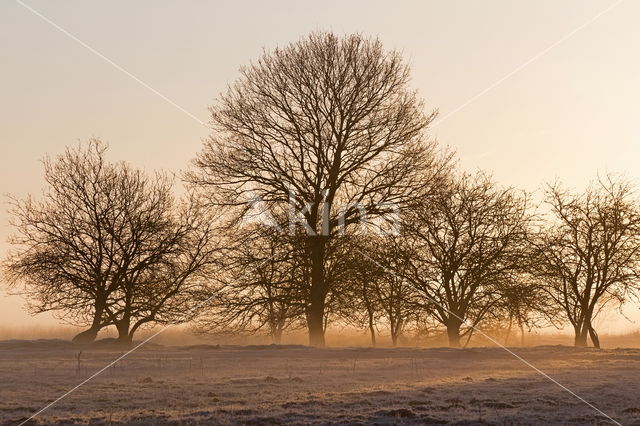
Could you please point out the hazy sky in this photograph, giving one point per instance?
(569, 114)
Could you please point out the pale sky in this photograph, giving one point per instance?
(570, 113)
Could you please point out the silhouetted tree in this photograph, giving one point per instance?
(589, 253)
(526, 304)
(329, 125)
(359, 305)
(383, 293)
(166, 258)
(461, 250)
(104, 237)
(60, 241)
(261, 286)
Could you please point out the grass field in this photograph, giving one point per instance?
(298, 385)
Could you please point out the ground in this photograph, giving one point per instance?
(299, 385)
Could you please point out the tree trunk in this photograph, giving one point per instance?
(580, 340)
(318, 292)
(521, 325)
(396, 331)
(316, 320)
(88, 336)
(594, 337)
(124, 337)
(453, 332)
(372, 330)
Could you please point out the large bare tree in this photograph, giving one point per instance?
(328, 124)
(104, 237)
(589, 253)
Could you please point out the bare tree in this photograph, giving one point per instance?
(590, 252)
(462, 248)
(60, 240)
(384, 293)
(359, 304)
(526, 304)
(166, 257)
(99, 228)
(329, 125)
(261, 286)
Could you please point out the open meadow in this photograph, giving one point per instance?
(291, 384)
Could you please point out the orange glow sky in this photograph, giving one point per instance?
(569, 114)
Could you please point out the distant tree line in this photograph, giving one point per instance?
(319, 200)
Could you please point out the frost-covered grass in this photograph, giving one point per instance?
(298, 385)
